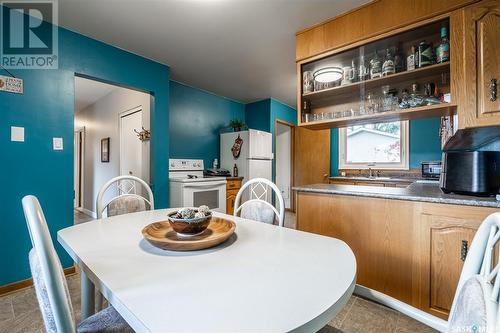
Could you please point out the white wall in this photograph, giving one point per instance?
(101, 120)
(284, 161)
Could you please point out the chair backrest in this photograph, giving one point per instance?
(258, 205)
(482, 265)
(50, 283)
(128, 199)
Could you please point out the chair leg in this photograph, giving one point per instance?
(87, 295)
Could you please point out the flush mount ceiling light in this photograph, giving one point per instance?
(328, 74)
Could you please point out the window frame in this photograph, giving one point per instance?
(404, 164)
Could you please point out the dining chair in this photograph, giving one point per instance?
(475, 305)
(258, 206)
(128, 199)
(50, 283)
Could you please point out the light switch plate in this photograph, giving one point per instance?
(57, 143)
(17, 134)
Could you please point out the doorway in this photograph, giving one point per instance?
(284, 132)
(108, 121)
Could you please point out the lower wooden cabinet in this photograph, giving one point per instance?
(409, 250)
(445, 239)
(232, 188)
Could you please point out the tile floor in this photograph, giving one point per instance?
(80, 217)
(19, 312)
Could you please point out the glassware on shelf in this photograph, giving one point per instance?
(375, 67)
(363, 71)
(349, 75)
(307, 82)
(372, 103)
(387, 99)
(388, 67)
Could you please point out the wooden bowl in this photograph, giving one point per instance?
(162, 235)
(189, 227)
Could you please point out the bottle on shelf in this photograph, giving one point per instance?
(363, 69)
(399, 60)
(415, 99)
(388, 67)
(431, 94)
(405, 99)
(235, 170)
(411, 59)
(425, 56)
(443, 49)
(375, 67)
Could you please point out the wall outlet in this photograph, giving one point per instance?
(57, 143)
(17, 134)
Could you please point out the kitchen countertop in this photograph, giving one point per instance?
(425, 192)
(375, 179)
(234, 178)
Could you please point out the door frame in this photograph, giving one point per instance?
(120, 116)
(81, 165)
(292, 151)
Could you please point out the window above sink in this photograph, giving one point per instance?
(377, 146)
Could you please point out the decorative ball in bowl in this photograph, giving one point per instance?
(189, 221)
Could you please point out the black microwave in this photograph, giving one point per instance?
(471, 172)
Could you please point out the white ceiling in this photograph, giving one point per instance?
(241, 49)
(87, 92)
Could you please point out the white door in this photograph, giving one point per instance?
(261, 144)
(284, 161)
(130, 145)
(260, 169)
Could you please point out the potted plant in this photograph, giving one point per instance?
(237, 125)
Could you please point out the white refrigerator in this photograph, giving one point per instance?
(255, 156)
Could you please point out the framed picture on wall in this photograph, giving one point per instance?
(105, 150)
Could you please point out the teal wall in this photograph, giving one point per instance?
(46, 110)
(425, 144)
(196, 118)
(258, 115)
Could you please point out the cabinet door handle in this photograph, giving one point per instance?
(464, 249)
(493, 90)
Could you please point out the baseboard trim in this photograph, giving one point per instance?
(86, 212)
(412, 312)
(15, 286)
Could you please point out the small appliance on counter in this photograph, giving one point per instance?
(431, 170)
(471, 172)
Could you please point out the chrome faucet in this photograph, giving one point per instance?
(370, 170)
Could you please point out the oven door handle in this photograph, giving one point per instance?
(210, 185)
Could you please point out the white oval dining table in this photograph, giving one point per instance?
(265, 278)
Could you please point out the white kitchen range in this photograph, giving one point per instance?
(188, 187)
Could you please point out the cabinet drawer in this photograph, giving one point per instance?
(233, 184)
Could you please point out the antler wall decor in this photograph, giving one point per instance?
(143, 135)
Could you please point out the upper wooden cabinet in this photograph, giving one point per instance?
(477, 40)
(373, 19)
(470, 76)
